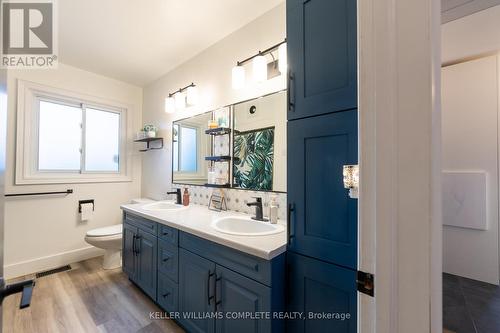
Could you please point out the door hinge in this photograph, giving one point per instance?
(366, 283)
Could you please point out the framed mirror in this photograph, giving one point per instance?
(259, 143)
(190, 145)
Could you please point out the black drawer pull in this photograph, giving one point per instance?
(166, 259)
(165, 295)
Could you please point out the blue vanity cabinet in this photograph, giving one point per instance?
(209, 284)
(322, 217)
(128, 250)
(319, 288)
(196, 298)
(237, 295)
(322, 56)
(139, 255)
(167, 293)
(232, 283)
(146, 262)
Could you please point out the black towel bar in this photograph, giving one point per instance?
(68, 191)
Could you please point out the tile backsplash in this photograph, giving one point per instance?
(237, 199)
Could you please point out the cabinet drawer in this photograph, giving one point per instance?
(168, 259)
(168, 234)
(168, 293)
(141, 223)
(258, 269)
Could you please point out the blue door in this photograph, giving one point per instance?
(128, 250)
(236, 294)
(317, 290)
(322, 56)
(323, 219)
(146, 262)
(196, 292)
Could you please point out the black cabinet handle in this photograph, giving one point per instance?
(290, 226)
(165, 295)
(218, 301)
(138, 247)
(291, 91)
(210, 298)
(133, 244)
(166, 259)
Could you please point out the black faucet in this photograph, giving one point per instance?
(177, 192)
(258, 209)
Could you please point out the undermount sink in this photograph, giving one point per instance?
(245, 226)
(162, 205)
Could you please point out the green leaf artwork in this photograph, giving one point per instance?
(253, 159)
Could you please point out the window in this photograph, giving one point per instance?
(69, 139)
(185, 158)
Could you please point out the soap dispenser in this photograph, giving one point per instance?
(273, 210)
(185, 197)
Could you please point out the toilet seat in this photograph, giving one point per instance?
(106, 231)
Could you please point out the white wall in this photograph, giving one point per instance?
(211, 72)
(470, 130)
(44, 232)
(473, 35)
(470, 37)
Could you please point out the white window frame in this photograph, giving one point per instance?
(29, 96)
(201, 172)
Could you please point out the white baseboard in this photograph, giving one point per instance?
(50, 262)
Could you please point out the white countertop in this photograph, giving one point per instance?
(196, 220)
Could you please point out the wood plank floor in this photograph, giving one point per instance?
(85, 299)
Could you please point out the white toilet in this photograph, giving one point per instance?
(110, 240)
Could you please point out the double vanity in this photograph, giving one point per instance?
(212, 271)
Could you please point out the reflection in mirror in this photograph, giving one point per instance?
(259, 148)
(190, 145)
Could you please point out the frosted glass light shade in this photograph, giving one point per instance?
(180, 101)
(169, 105)
(260, 68)
(282, 58)
(238, 77)
(192, 96)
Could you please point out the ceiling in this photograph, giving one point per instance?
(139, 41)
(455, 9)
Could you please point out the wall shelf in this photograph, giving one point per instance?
(218, 131)
(218, 158)
(148, 141)
(218, 185)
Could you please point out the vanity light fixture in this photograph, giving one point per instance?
(260, 68)
(177, 100)
(260, 65)
(238, 77)
(169, 105)
(180, 100)
(282, 58)
(351, 180)
(192, 95)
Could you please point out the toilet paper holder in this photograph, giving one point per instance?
(80, 202)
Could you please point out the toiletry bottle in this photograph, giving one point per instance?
(273, 210)
(185, 197)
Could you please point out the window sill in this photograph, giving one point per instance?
(78, 179)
